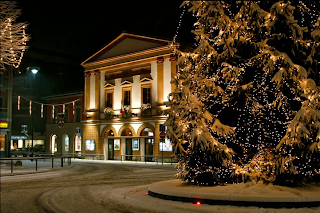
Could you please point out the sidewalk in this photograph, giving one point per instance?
(45, 165)
(28, 166)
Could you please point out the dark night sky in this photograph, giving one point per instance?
(65, 33)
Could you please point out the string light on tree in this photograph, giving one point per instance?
(13, 37)
(246, 102)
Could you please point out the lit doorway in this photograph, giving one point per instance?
(149, 149)
(109, 133)
(127, 132)
(147, 132)
(110, 149)
(54, 145)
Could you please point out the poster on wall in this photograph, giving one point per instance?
(135, 144)
(165, 145)
(116, 144)
(90, 145)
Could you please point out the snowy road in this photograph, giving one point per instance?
(84, 187)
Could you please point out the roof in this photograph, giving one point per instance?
(125, 44)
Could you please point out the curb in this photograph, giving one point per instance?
(236, 203)
(245, 195)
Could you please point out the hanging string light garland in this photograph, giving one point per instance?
(19, 97)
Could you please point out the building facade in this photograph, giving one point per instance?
(5, 112)
(127, 84)
(64, 127)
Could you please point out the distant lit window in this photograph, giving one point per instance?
(146, 95)
(66, 115)
(77, 115)
(90, 145)
(127, 97)
(109, 99)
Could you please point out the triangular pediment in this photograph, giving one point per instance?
(145, 80)
(108, 86)
(126, 83)
(126, 44)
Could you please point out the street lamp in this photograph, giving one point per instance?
(34, 71)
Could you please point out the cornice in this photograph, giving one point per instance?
(127, 56)
(127, 64)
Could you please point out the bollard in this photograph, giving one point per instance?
(61, 162)
(36, 164)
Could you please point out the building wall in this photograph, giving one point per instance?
(70, 127)
(162, 65)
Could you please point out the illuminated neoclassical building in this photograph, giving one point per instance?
(126, 86)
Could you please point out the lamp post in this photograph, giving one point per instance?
(34, 71)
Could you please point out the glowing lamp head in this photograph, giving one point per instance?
(34, 71)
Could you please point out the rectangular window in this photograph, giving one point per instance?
(53, 115)
(109, 99)
(78, 115)
(127, 97)
(146, 95)
(66, 115)
(90, 145)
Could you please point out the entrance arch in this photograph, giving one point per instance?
(54, 145)
(111, 145)
(109, 133)
(65, 143)
(77, 143)
(147, 136)
(127, 133)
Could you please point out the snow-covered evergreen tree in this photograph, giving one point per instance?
(12, 35)
(248, 88)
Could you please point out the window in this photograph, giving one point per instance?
(109, 99)
(78, 115)
(53, 115)
(66, 115)
(127, 97)
(90, 145)
(146, 95)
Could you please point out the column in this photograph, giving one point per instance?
(97, 90)
(160, 61)
(87, 89)
(102, 91)
(173, 59)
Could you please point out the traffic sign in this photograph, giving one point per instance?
(162, 135)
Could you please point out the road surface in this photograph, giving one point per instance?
(82, 187)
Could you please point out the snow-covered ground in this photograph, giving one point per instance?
(100, 186)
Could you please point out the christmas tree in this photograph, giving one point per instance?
(246, 103)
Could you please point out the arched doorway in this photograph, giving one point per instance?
(109, 133)
(54, 145)
(77, 143)
(127, 132)
(65, 143)
(147, 135)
